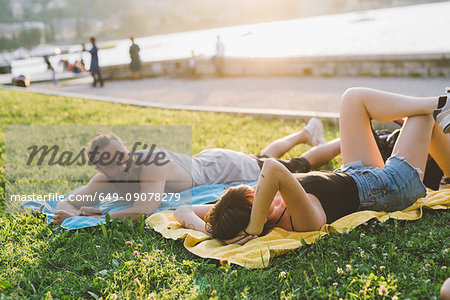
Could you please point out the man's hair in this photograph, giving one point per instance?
(231, 214)
(99, 142)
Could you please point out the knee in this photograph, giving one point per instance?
(272, 166)
(353, 98)
(353, 94)
(445, 289)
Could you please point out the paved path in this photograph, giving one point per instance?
(310, 94)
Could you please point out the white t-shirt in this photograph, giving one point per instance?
(214, 166)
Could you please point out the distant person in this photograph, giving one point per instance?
(218, 58)
(78, 66)
(135, 65)
(82, 65)
(192, 63)
(50, 68)
(21, 81)
(95, 68)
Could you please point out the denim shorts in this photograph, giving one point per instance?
(395, 187)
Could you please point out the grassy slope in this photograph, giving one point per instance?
(37, 260)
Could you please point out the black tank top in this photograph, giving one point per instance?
(337, 192)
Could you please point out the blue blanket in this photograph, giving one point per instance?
(197, 195)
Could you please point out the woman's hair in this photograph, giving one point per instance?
(231, 214)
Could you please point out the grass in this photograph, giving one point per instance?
(131, 261)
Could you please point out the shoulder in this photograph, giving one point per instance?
(99, 178)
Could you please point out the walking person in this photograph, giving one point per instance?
(95, 67)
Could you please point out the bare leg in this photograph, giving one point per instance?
(279, 147)
(322, 154)
(359, 105)
(414, 140)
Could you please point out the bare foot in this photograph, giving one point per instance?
(60, 216)
(89, 211)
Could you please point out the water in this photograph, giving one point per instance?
(400, 30)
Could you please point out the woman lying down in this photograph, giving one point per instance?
(363, 182)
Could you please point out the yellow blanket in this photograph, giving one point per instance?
(257, 252)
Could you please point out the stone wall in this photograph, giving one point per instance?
(415, 65)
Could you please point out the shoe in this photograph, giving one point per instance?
(442, 115)
(444, 184)
(315, 129)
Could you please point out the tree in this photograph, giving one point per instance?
(29, 38)
(5, 12)
(49, 33)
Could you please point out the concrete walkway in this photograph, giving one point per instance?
(306, 96)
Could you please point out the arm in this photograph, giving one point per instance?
(192, 216)
(266, 188)
(153, 181)
(80, 201)
(86, 195)
(305, 209)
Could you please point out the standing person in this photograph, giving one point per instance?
(135, 65)
(50, 68)
(192, 63)
(95, 67)
(218, 58)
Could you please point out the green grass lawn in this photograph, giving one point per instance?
(37, 261)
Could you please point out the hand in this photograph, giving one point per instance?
(241, 239)
(89, 211)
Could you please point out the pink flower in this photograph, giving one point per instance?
(383, 290)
